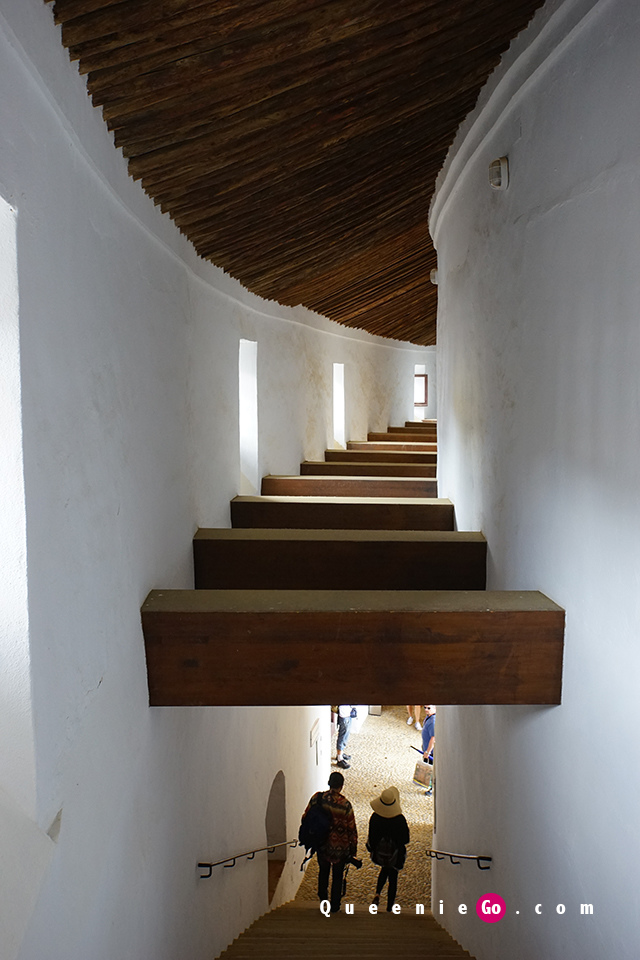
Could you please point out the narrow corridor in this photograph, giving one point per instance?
(381, 756)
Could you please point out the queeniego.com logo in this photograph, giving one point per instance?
(490, 907)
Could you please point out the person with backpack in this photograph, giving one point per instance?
(329, 828)
(388, 836)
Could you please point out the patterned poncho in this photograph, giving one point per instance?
(342, 841)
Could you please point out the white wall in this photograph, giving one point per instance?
(539, 352)
(295, 356)
(128, 396)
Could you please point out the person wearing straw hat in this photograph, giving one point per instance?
(388, 836)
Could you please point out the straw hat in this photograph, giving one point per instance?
(388, 803)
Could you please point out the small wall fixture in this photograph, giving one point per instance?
(499, 173)
(433, 276)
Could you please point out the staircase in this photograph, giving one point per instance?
(355, 558)
(356, 561)
(298, 930)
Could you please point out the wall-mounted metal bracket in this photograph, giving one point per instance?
(229, 862)
(455, 858)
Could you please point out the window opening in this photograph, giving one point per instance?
(339, 407)
(17, 754)
(420, 392)
(248, 417)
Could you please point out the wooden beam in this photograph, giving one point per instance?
(253, 647)
(342, 513)
(335, 468)
(319, 486)
(339, 560)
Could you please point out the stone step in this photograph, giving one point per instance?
(279, 647)
(339, 559)
(299, 930)
(348, 486)
(343, 513)
(361, 936)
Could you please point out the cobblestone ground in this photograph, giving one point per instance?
(381, 756)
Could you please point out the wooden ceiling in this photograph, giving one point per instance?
(296, 143)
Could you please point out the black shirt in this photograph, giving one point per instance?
(394, 827)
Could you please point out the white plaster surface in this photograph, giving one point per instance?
(26, 855)
(128, 398)
(539, 399)
(296, 352)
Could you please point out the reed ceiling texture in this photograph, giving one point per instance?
(296, 143)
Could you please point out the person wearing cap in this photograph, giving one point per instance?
(388, 836)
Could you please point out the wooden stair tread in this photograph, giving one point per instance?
(476, 602)
(373, 513)
(363, 486)
(363, 468)
(420, 536)
(419, 501)
(383, 456)
(475, 646)
(368, 479)
(392, 446)
(403, 436)
(339, 559)
(413, 427)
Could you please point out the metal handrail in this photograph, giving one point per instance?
(231, 861)
(441, 854)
